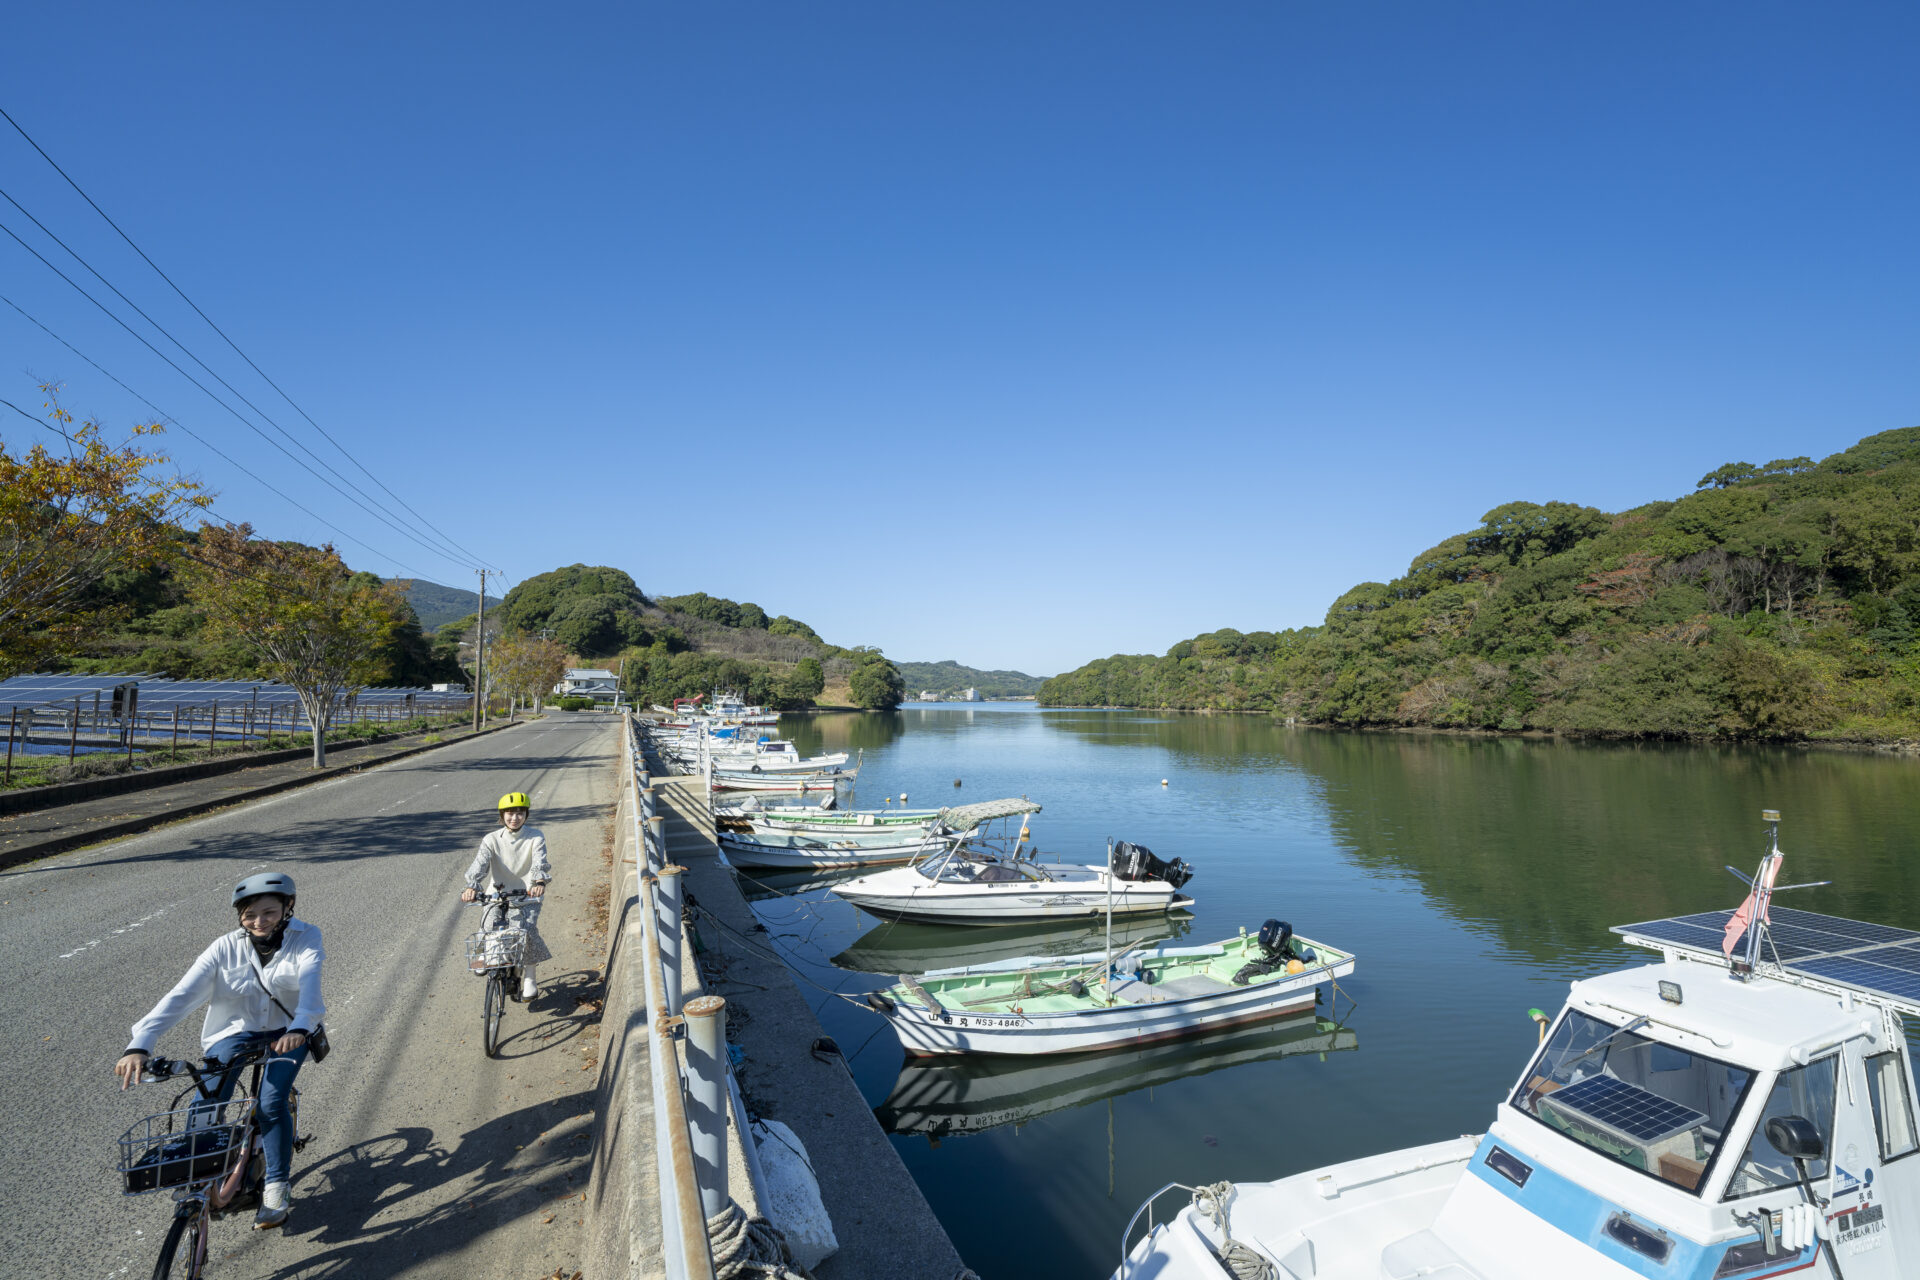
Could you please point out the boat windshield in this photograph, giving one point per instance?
(1648, 1105)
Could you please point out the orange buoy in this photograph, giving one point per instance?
(1294, 966)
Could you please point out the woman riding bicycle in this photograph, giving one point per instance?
(514, 855)
(264, 983)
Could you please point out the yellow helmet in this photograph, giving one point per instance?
(515, 800)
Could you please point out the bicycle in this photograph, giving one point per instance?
(496, 953)
(208, 1153)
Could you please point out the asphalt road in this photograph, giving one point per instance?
(428, 1160)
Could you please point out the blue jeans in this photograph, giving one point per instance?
(276, 1084)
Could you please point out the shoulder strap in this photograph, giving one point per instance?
(261, 978)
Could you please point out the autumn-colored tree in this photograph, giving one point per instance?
(526, 667)
(315, 625)
(70, 515)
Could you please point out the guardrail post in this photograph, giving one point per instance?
(657, 832)
(667, 900)
(707, 1090)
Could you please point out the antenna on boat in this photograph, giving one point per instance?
(1107, 979)
(1752, 915)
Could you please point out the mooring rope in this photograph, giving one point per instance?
(744, 1246)
(1211, 1201)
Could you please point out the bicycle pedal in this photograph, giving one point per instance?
(300, 1143)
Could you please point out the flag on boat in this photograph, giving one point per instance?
(1758, 898)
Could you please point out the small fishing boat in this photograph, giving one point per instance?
(896, 946)
(947, 1097)
(789, 852)
(962, 885)
(795, 819)
(771, 756)
(1081, 1003)
(1744, 1108)
(783, 784)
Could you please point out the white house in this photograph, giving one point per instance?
(589, 682)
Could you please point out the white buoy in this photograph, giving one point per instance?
(1163, 782)
(903, 797)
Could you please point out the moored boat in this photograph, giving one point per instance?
(964, 886)
(789, 852)
(1743, 1108)
(1083, 1003)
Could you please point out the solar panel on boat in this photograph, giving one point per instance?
(1626, 1108)
(1878, 960)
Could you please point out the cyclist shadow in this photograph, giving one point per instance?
(377, 1208)
(564, 1002)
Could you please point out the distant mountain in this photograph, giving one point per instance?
(438, 605)
(951, 677)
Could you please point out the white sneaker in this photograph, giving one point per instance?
(528, 987)
(273, 1206)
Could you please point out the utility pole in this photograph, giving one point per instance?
(480, 654)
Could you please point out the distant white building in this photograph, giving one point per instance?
(589, 682)
(928, 696)
(971, 695)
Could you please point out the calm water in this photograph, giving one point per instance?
(1472, 878)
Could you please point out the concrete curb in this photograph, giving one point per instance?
(134, 826)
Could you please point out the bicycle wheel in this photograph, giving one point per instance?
(495, 1006)
(183, 1254)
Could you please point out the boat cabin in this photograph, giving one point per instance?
(1685, 1120)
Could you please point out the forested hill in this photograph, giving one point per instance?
(950, 677)
(1778, 601)
(436, 605)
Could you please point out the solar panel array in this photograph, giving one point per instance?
(158, 693)
(1626, 1108)
(1875, 959)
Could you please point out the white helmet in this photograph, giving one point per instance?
(266, 882)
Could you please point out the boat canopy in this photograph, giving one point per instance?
(968, 817)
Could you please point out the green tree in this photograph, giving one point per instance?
(313, 623)
(876, 683)
(70, 518)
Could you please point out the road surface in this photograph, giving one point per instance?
(428, 1160)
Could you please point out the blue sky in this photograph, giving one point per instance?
(1041, 332)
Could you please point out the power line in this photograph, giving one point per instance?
(172, 364)
(229, 341)
(455, 554)
(167, 417)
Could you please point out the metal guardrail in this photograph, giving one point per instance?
(686, 1199)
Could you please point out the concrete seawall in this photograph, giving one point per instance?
(885, 1228)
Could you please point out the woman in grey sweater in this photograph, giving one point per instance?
(514, 858)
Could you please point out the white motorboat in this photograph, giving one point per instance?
(1076, 1004)
(775, 756)
(1722, 1113)
(962, 885)
(790, 852)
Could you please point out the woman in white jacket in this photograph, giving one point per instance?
(263, 981)
(514, 857)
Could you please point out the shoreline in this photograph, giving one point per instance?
(1890, 746)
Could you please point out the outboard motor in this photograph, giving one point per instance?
(1136, 862)
(1275, 941)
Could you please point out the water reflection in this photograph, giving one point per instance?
(961, 1096)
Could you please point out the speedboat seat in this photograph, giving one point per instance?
(1423, 1256)
(997, 874)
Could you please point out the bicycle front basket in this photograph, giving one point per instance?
(496, 949)
(193, 1144)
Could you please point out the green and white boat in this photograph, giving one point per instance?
(1077, 1004)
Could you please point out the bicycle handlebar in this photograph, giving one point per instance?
(158, 1069)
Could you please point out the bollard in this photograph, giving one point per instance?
(657, 832)
(706, 1102)
(667, 899)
